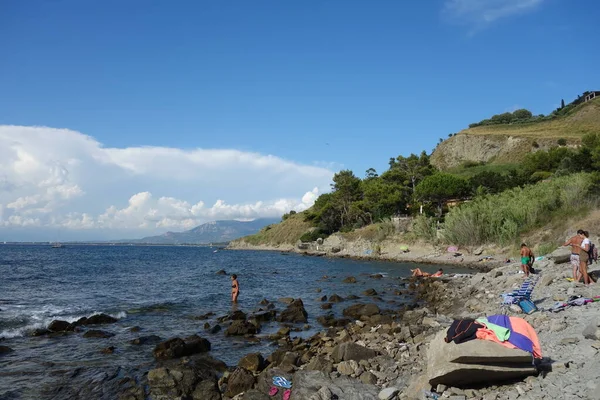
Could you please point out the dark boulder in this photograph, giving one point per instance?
(40, 332)
(239, 381)
(330, 320)
(60, 326)
(176, 347)
(135, 329)
(326, 306)
(142, 340)
(334, 298)
(215, 329)
(265, 316)
(97, 334)
(236, 315)
(253, 362)
(352, 297)
(322, 298)
(359, 310)
(5, 350)
(376, 276)
(264, 302)
(192, 380)
(221, 272)
(240, 328)
(349, 279)
(295, 312)
(370, 292)
(204, 316)
(108, 350)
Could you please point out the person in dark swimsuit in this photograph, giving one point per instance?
(235, 288)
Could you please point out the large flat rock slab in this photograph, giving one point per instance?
(474, 362)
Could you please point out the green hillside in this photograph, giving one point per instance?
(571, 125)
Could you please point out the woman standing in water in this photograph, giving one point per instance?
(235, 288)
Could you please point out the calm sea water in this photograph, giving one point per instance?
(159, 289)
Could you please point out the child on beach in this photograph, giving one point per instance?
(235, 288)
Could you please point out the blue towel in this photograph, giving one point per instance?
(515, 338)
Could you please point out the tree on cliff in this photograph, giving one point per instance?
(414, 167)
(441, 187)
(346, 190)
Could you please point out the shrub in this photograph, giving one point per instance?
(535, 144)
(425, 228)
(503, 217)
(562, 142)
(545, 248)
(313, 235)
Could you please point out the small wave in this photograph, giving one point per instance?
(22, 331)
(42, 323)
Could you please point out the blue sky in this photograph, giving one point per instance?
(315, 84)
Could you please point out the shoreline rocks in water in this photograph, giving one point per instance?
(176, 347)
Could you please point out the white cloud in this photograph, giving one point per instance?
(62, 178)
(479, 13)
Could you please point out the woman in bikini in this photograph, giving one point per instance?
(418, 272)
(235, 288)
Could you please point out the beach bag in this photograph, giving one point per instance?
(527, 306)
(592, 254)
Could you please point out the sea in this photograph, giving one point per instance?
(159, 289)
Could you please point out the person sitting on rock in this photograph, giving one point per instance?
(418, 272)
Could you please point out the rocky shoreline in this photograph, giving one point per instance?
(374, 351)
(481, 258)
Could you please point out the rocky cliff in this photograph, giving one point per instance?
(510, 143)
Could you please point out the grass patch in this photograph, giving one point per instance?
(286, 232)
(583, 119)
(468, 171)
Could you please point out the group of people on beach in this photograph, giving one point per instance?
(580, 255)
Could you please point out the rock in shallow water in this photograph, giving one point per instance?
(5, 350)
(240, 328)
(97, 334)
(176, 347)
(151, 339)
(295, 312)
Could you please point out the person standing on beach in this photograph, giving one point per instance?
(526, 255)
(584, 257)
(575, 243)
(235, 288)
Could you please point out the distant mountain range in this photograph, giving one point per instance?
(211, 232)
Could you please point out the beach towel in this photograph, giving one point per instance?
(522, 335)
(501, 333)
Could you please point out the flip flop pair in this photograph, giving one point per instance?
(286, 394)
